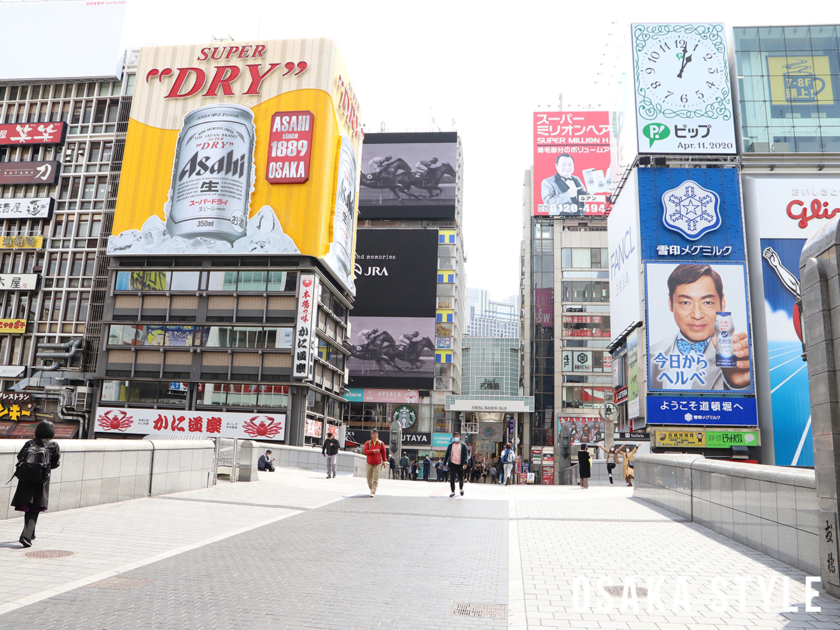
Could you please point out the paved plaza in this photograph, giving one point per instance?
(298, 551)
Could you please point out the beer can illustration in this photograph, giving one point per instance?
(724, 329)
(213, 174)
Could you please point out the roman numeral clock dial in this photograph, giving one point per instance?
(683, 95)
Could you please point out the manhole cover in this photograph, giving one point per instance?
(493, 611)
(50, 553)
(121, 583)
(618, 591)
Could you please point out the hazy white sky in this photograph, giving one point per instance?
(487, 66)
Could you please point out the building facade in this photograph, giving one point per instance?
(57, 245)
(491, 318)
(408, 321)
(229, 316)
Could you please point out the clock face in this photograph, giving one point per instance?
(683, 95)
(682, 72)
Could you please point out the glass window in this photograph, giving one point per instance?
(142, 281)
(273, 396)
(242, 395)
(278, 337)
(123, 335)
(566, 254)
(281, 281)
(180, 336)
(184, 281)
(222, 281)
(252, 281)
(84, 302)
(581, 258)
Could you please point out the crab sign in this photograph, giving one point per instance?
(262, 429)
(119, 421)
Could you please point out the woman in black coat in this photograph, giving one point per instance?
(32, 497)
(583, 466)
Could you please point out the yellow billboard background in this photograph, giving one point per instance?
(800, 79)
(305, 210)
(686, 439)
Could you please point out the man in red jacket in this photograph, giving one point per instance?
(375, 451)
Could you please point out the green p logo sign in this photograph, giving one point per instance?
(656, 131)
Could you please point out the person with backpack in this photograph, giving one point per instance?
(508, 459)
(35, 461)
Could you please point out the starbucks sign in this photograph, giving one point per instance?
(405, 415)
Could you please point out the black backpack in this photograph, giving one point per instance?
(35, 465)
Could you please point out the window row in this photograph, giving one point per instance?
(585, 257)
(586, 397)
(65, 306)
(574, 291)
(244, 281)
(207, 394)
(206, 336)
(61, 90)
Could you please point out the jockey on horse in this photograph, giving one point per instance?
(423, 167)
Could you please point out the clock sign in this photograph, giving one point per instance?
(683, 94)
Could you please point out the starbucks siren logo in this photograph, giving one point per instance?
(405, 415)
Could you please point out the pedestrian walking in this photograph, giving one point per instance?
(584, 471)
(456, 459)
(494, 475)
(404, 463)
(392, 467)
(612, 462)
(330, 451)
(413, 474)
(266, 462)
(375, 451)
(508, 459)
(34, 462)
(627, 456)
(427, 469)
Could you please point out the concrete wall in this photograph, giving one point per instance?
(92, 472)
(768, 508)
(310, 458)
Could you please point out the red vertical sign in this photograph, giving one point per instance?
(289, 147)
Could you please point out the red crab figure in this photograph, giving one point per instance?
(262, 429)
(120, 421)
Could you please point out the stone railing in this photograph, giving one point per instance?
(92, 472)
(310, 458)
(772, 509)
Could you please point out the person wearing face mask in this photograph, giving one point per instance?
(562, 192)
(455, 460)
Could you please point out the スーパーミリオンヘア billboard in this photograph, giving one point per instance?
(238, 149)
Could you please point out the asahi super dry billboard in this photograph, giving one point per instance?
(241, 148)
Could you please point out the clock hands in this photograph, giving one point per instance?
(686, 58)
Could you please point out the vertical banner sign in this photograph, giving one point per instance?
(571, 163)
(306, 321)
(544, 307)
(289, 147)
(683, 95)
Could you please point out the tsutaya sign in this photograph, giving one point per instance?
(514, 406)
(118, 420)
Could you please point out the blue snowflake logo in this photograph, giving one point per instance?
(691, 210)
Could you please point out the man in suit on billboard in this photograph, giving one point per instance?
(563, 191)
(688, 362)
